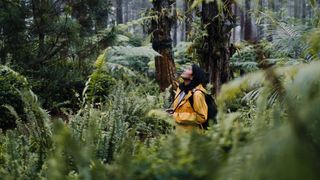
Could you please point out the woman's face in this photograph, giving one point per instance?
(187, 75)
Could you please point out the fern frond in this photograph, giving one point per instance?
(129, 51)
(252, 95)
(245, 65)
(250, 86)
(136, 22)
(115, 66)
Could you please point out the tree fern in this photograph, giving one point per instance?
(127, 52)
(313, 40)
(287, 36)
(136, 58)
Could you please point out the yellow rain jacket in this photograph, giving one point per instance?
(186, 117)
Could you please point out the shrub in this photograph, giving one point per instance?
(11, 85)
(58, 85)
(100, 82)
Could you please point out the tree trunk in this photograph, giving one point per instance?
(242, 19)
(162, 43)
(189, 18)
(234, 32)
(175, 25)
(126, 17)
(296, 9)
(216, 47)
(38, 16)
(119, 12)
(102, 22)
(260, 27)
(271, 28)
(303, 13)
(101, 16)
(80, 12)
(247, 22)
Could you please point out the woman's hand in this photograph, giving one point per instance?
(170, 111)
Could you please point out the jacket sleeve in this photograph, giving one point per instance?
(200, 107)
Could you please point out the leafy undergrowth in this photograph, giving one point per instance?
(271, 134)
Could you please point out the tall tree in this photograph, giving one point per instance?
(242, 23)
(297, 8)
(81, 12)
(218, 23)
(162, 42)
(13, 28)
(40, 11)
(188, 17)
(234, 31)
(271, 6)
(127, 11)
(175, 23)
(247, 22)
(51, 25)
(99, 11)
(183, 24)
(260, 31)
(303, 11)
(37, 32)
(119, 12)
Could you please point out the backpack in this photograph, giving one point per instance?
(212, 108)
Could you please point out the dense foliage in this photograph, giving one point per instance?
(12, 84)
(125, 135)
(78, 98)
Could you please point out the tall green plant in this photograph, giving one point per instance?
(11, 83)
(100, 82)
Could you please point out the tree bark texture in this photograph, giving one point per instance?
(162, 43)
(216, 47)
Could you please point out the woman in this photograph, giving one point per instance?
(189, 116)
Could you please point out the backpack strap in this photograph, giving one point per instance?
(202, 126)
(175, 100)
(191, 97)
